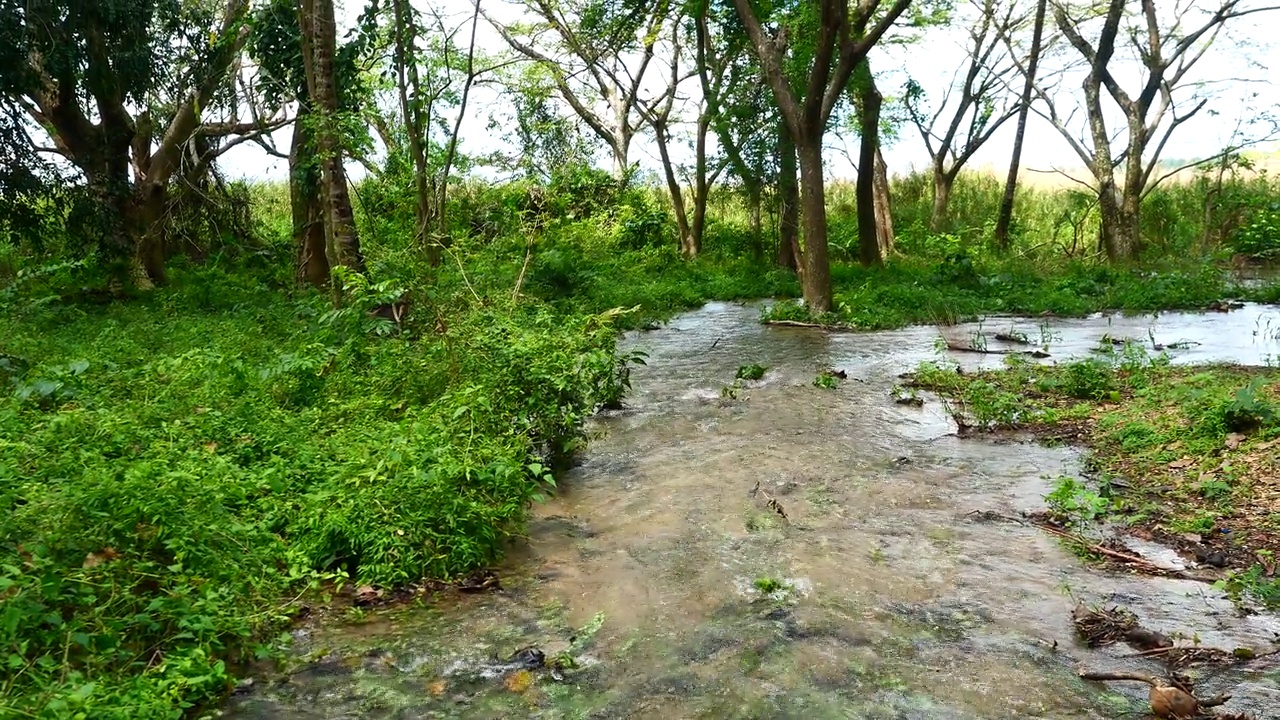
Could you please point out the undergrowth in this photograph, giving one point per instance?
(172, 478)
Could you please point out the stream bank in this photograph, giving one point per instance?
(658, 584)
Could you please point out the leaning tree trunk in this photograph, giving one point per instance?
(307, 202)
(816, 277)
(689, 245)
(319, 51)
(1005, 217)
(788, 201)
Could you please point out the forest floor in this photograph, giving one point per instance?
(1185, 456)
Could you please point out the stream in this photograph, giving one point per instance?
(679, 593)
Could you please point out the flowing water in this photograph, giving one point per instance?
(680, 593)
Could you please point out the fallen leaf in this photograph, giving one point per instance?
(1268, 563)
(1179, 464)
(437, 687)
(103, 555)
(1234, 440)
(518, 681)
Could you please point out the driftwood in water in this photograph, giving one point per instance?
(817, 326)
(958, 347)
(1171, 698)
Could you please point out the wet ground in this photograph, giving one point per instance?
(669, 589)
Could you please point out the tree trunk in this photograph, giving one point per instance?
(688, 243)
(147, 213)
(307, 204)
(789, 201)
(409, 85)
(702, 184)
(869, 127)
(1130, 234)
(319, 50)
(884, 206)
(942, 184)
(1111, 228)
(816, 278)
(1005, 216)
(757, 218)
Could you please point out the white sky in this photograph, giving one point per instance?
(1235, 70)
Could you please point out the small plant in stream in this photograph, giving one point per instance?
(1074, 504)
(826, 380)
(751, 372)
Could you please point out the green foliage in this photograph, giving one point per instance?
(1256, 582)
(1091, 379)
(751, 372)
(1074, 504)
(1259, 238)
(1218, 411)
(170, 475)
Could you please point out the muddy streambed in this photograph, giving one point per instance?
(678, 593)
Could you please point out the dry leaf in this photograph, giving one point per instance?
(518, 681)
(1234, 440)
(437, 687)
(103, 555)
(1268, 563)
(1179, 464)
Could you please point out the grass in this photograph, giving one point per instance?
(1190, 455)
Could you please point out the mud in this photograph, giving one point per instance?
(670, 590)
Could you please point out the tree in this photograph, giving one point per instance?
(422, 102)
(1165, 49)
(875, 221)
(122, 87)
(713, 72)
(742, 114)
(975, 100)
(585, 46)
(319, 58)
(843, 37)
(1005, 216)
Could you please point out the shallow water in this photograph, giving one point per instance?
(896, 603)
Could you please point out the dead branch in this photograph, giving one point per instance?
(819, 326)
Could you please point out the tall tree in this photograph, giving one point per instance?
(869, 101)
(844, 35)
(1005, 216)
(1166, 48)
(319, 57)
(973, 107)
(414, 114)
(97, 78)
(598, 54)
